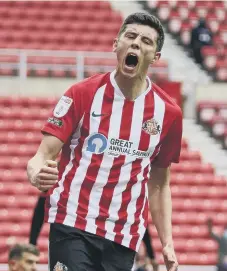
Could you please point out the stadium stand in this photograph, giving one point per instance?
(57, 26)
(197, 192)
(181, 16)
(213, 117)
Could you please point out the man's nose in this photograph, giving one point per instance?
(34, 267)
(136, 43)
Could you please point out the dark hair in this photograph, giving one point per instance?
(16, 252)
(145, 19)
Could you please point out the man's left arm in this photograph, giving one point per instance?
(161, 211)
(159, 189)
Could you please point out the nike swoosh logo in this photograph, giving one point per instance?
(97, 115)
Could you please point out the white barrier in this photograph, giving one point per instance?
(18, 59)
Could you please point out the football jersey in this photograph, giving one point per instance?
(110, 143)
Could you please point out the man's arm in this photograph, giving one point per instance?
(42, 168)
(161, 212)
(161, 203)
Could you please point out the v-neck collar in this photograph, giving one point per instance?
(120, 93)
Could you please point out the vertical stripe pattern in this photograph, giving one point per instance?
(103, 189)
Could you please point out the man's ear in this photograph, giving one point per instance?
(115, 45)
(156, 58)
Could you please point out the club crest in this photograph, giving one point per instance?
(151, 127)
(60, 267)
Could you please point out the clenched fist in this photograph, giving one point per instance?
(47, 176)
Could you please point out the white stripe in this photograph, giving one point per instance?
(125, 173)
(159, 113)
(54, 198)
(106, 165)
(84, 162)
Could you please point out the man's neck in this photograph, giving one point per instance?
(131, 87)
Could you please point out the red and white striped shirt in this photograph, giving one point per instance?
(110, 144)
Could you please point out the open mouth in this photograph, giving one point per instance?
(131, 60)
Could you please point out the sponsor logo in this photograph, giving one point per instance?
(60, 267)
(118, 147)
(55, 121)
(151, 127)
(97, 115)
(62, 106)
(96, 143)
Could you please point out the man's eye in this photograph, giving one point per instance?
(147, 41)
(130, 36)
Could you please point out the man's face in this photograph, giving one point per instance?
(28, 262)
(136, 49)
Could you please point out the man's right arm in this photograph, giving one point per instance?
(42, 168)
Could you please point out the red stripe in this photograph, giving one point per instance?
(126, 198)
(62, 203)
(108, 189)
(94, 166)
(85, 191)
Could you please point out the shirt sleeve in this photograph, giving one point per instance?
(170, 148)
(65, 116)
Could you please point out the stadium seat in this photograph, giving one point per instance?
(212, 115)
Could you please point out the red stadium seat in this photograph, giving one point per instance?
(190, 156)
(193, 18)
(221, 74)
(182, 16)
(174, 24)
(185, 33)
(164, 10)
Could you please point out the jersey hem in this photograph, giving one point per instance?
(48, 220)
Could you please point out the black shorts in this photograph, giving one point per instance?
(71, 249)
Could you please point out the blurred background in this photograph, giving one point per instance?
(46, 46)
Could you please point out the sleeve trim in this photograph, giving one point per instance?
(51, 131)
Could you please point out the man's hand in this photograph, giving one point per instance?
(47, 176)
(170, 258)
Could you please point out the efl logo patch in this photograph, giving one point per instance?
(55, 121)
(60, 267)
(62, 106)
(151, 127)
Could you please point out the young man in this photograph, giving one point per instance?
(23, 258)
(113, 130)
